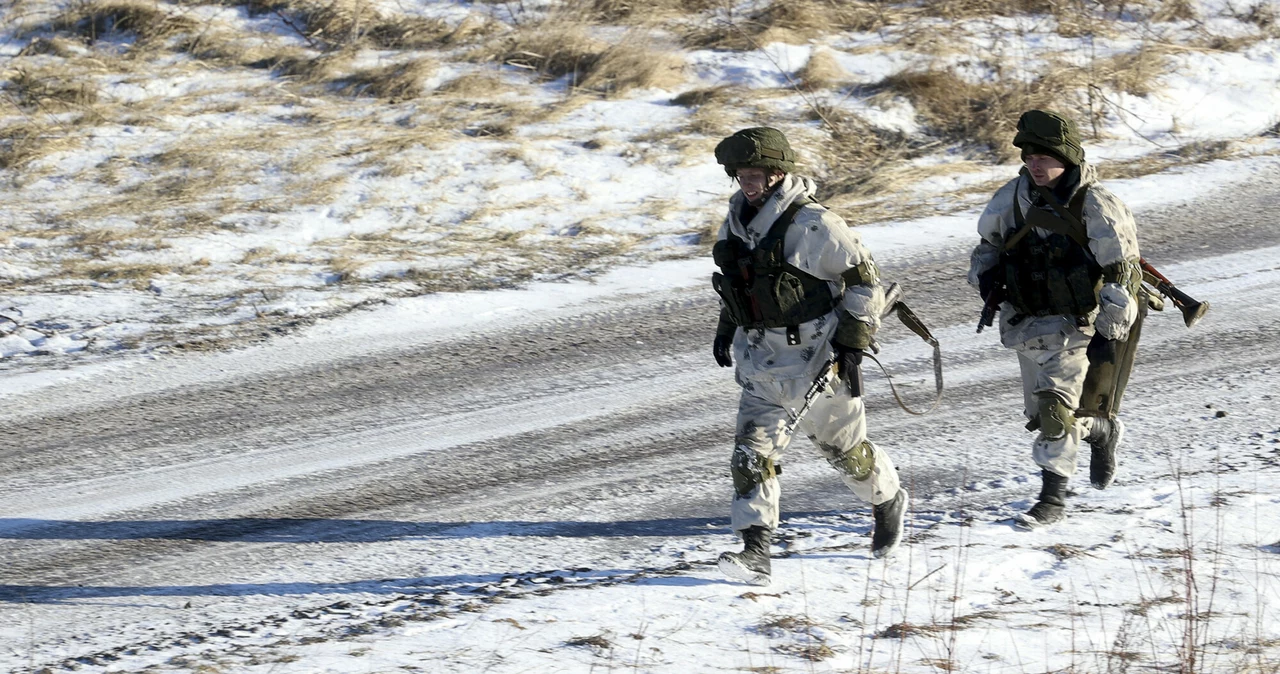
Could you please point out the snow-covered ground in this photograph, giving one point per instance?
(1174, 568)
(1179, 559)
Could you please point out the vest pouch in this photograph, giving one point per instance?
(1084, 286)
(791, 298)
(734, 297)
(726, 252)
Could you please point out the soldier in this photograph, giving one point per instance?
(1060, 254)
(796, 284)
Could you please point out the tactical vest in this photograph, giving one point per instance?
(760, 289)
(1050, 276)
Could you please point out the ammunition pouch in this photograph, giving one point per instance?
(1051, 276)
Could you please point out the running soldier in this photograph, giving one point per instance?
(796, 285)
(1059, 256)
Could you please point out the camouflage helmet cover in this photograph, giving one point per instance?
(758, 147)
(1044, 132)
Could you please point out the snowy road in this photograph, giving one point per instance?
(244, 491)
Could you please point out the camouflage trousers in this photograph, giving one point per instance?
(1056, 365)
(835, 424)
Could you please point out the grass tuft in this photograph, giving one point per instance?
(97, 19)
(50, 89)
(393, 83)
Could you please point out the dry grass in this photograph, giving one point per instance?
(553, 50)
(822, 71)
(50, 89)
(137, 275)
(26, 140)
(96, 19)
(1137, 72)
(43, 46)
(968, 9)
(636, 11)
(228, 48)
(968, 113)
(558, 48)
(983, 114)
(861, 160)
(794, 21)
(393, 83)
(1197, 152)
(300, 66)
(631, 65)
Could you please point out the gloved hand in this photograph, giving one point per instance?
(1117, 311)
(1101, 349)
(849, 361)
(722, 349)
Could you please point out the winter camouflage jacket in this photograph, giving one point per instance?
(822, 245)
(1113, 238)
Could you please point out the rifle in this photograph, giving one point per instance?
(829, 370)
(990, 306)
(1192, 310)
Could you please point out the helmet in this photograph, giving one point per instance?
(758, 147)
(1043, 132)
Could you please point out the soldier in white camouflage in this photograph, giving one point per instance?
(796, 286)
(1060, 254)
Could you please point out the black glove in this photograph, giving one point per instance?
(722, 349)
(849, 361)
(1101, 350)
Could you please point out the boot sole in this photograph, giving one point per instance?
(1103, 484)
(735, 570)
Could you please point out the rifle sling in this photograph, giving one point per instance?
(1063, 221)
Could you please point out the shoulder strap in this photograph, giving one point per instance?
(778, 231)
(1066, 221)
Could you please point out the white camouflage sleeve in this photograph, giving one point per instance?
(994, 223)
(832, 251)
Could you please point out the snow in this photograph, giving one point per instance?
(1191, 526)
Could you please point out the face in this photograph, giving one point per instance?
(1045, 170)
(756, 182)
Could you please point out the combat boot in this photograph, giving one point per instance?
(890, 517)
(1048, 510)
(1103, 439)
(752, 564)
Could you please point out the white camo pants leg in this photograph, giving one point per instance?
(836, 424)
(1055, 365)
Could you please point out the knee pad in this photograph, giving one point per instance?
(749, 469)
(1055, 417)
(857, 462)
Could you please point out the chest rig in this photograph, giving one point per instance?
(760, 289)
(1054, 275)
